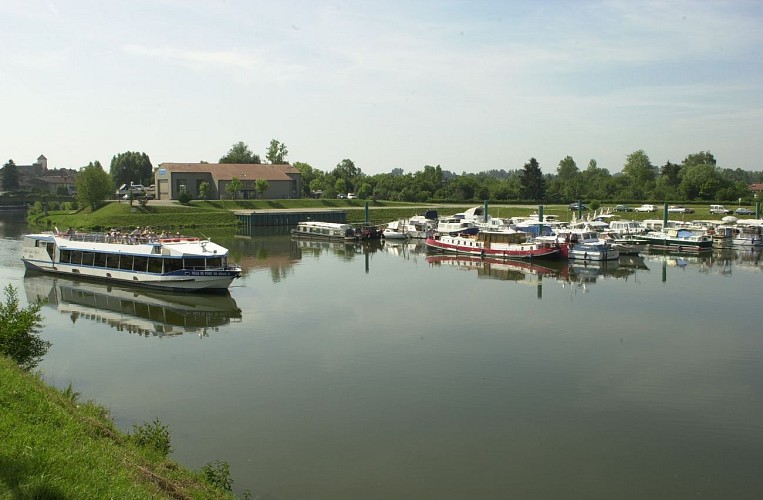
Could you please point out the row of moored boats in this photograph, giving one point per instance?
(598, 237)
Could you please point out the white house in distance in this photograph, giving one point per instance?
(171, 179)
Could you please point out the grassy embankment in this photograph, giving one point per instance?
(52, 446)
(220, 213)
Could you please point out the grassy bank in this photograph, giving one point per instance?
(52, 446)
(122, 215)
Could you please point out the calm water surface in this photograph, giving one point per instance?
(343, 371)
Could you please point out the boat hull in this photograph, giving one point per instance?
(593, 256)
(200, 281)
(519, 251)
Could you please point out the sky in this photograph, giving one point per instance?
(467, 85)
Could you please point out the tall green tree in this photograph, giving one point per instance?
(533, 183)
(93, 185)
(347, 171)
(700, 177)
(340, 186)
(131, 167)
(233, 187)
(308, 174)
(204, 191)
(670, 172)
(276, 152)
(240, 153)
(10, 175)
(568, 179)
(640, 173)
(261, 185)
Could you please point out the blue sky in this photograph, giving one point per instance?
(468, 85)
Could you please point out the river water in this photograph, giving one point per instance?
(351, 371)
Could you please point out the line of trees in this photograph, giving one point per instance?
(696, 178)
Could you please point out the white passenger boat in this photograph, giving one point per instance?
(183, 264)
(324, 230)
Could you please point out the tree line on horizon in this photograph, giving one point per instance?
(697, 178)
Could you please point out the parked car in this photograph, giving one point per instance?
(646, 208)
(719, 210)
(341, 196)
(623, 208)
(574, 206)
(744, 211)
(351, 196)
(680, 209)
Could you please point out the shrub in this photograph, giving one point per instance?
(185, 197)
(218, 475)
(153, 435)
(19, 331)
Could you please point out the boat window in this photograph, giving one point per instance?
(100, 260)
(66, 256)
(126, 262)
(155, 265)
(112, 261)
(215, 262)
(88, 258)
(193, 263)
(171, 265)
(50, 247)
(140, 264)
(76, 257)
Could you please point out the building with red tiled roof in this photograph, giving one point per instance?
(756, 188)
(171, 179)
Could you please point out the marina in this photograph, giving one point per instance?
(486, 365)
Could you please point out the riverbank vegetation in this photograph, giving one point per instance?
(53, 446)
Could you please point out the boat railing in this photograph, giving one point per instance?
(123, 239)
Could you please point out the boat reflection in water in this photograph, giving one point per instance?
(345, 250)
(135, 311)
(576, 273)
(502, 269)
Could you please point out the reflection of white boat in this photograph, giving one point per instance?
(504, 269)
(132, 309)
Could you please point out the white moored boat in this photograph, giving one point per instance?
(183, 264)
(324, 230)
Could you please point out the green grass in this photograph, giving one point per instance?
(122, 215)
(52, 446)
